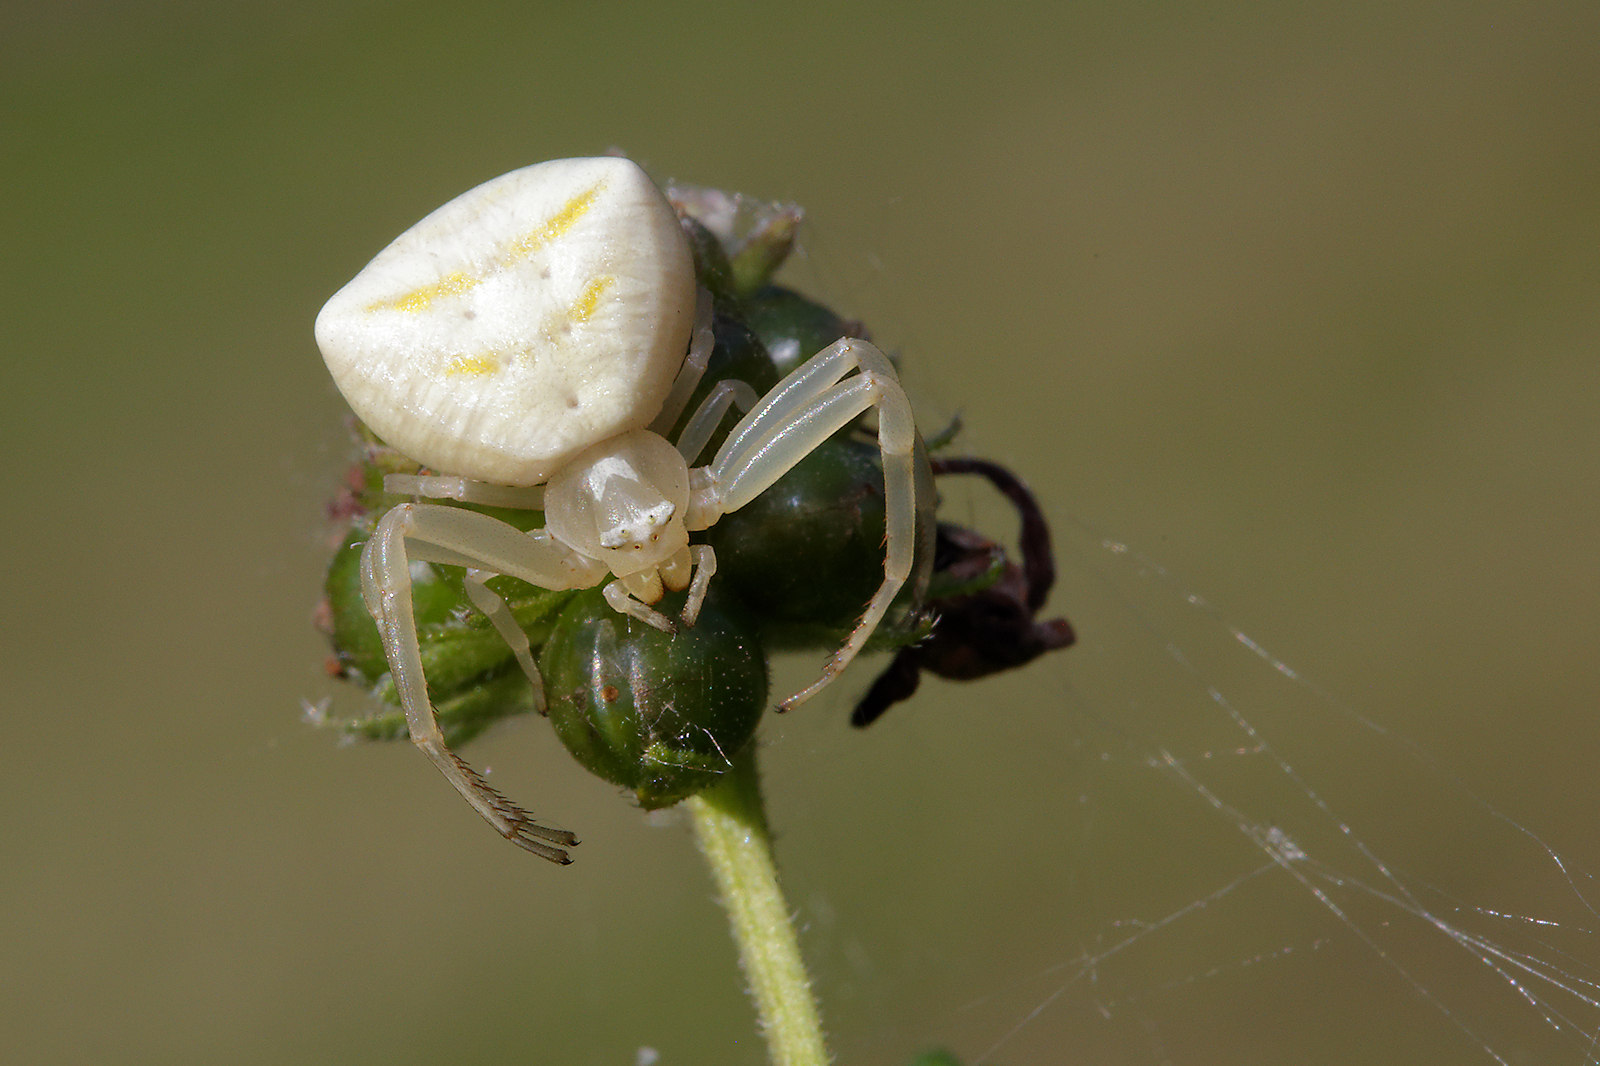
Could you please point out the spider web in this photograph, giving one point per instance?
(1236, 863)
(1297, 891)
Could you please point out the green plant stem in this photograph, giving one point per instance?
(731, 828)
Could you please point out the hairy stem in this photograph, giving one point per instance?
(731, 828)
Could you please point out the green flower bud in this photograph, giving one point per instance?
(473, 679)
(711, 267)
(793, 327)
(754, 236)
(659, 714)
(356, 646)
(807, 554)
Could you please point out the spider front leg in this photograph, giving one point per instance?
(813, 402)
(634, 594)
(450, 535)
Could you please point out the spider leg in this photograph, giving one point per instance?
(634, 594)
(705, 564)
(451, 535)
(813, 402)
(493, 607)
(697, 431)
(624, 600)
(455, 487)
(701, 342)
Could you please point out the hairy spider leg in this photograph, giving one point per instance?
(813, 402)
(453, 536)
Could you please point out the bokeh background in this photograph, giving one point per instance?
(1299, 302)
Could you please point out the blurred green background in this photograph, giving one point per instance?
(1298, 301)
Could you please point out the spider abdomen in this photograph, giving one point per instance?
(509, 329)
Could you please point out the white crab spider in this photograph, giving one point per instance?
(534, 338)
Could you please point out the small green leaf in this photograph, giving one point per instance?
(462, 716)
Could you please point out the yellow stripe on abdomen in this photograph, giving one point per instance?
(458, 282)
